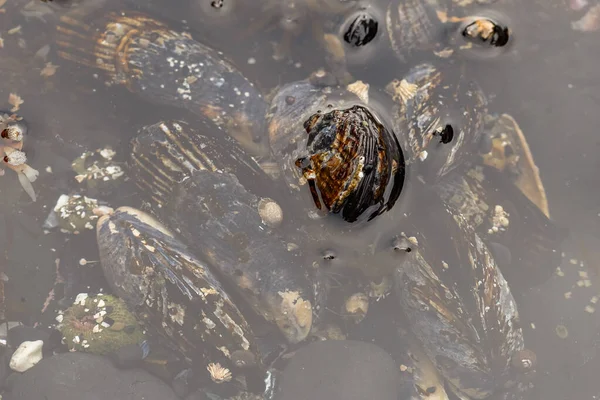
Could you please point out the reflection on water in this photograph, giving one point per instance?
(545, 78)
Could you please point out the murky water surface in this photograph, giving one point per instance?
(546, 78)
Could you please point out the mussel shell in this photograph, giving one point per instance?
(169, 152)
(457, 301)
(352, 163)
(167, 68)
(171, 290)
(509, 153)
(414, 26)
(532, 239)
(220, 219)
(440, 117)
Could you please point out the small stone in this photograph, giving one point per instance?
(26, 356)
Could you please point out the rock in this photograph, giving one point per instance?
(27, 355)
(339, 370)
(81, 376)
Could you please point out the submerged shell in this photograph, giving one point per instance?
(169, 289)
(352, 162)
(167, 68)
(169, 152)
(457, 301)
(216, 215)
(442, 116)
(415, 26)
(443, 27)
(510, 153)
(502, 214)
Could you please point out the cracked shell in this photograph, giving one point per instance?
(458, 303)
(442, 116)
(165, 67)
(332, 141)
(169, 289)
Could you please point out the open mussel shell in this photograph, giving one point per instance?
(169, 152)
(171, 290)
(507, 220)
(440, 116)
(457, 301)
(165, 67)
(334, 143)
(220, 218)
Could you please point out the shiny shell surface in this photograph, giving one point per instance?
(170, 290)
(332, 141)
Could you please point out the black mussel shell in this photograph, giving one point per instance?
(457, 301)
(220, 219)
(336, 143)
(502, 214)
(169, 152)
(440, 117)
(353, 163)
(171, 290)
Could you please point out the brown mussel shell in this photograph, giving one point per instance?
(167, 68)
(440, 116)
(502, 215)
(336, 143)
(352, 159)
(457, 301)
(172, 291)
(218, 217)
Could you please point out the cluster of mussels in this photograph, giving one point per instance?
(283, 216)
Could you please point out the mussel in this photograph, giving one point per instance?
(338, 144)
(172, 291)
(193, 179)
(165, 67)
(421, 28)
(441, 117)
(220, 219)
(457, 301)
(502, 215)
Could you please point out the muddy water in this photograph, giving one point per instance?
(547, 80)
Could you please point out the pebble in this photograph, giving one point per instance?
(26, 356)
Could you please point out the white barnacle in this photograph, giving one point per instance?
(177, 313)
(218, 373)
(270, 212)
